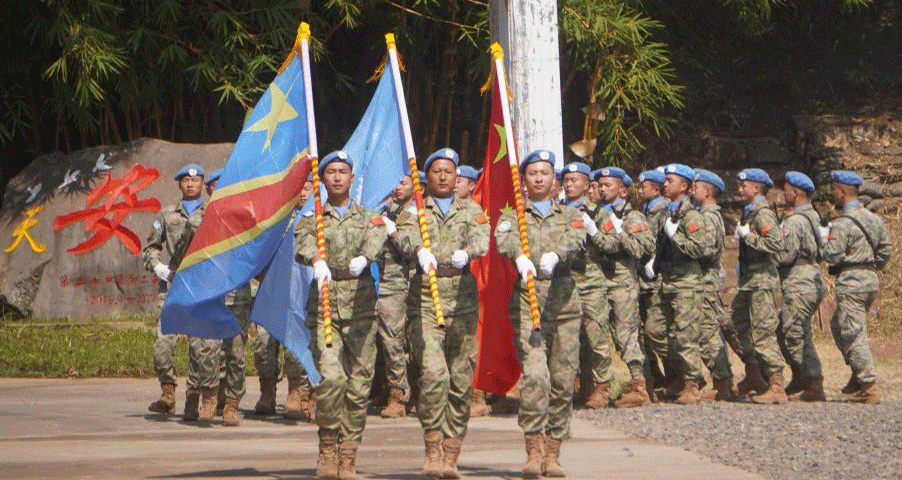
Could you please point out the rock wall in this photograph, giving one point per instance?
(39, 277)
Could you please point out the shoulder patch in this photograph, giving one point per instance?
(608, 226)
(480, 219)
(308, 213)
(693, 227)
(157, 225)
(412, 209)
(504, 226)
(377, 221)
(577, 224)
(639, 227)
(766, 228)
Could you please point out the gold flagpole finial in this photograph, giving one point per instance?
(497, 51)
(304, 31)
(390, 41)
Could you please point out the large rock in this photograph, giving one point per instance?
(108, 280)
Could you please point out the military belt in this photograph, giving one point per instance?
(860, 266)
(345, 273)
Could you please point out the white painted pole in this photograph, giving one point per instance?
(308, 93)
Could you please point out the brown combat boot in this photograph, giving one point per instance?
(432, 467)
(552, 465)
(866, 394)
(230, 412)
(266, 405)
(753, 383)
(636, 395)
(327, 462)
(852, 385)
(166, 403)
(478, 407)
(451, 452)
(294, 403)
(192, 400)
(395, 406)
(774, 394)
(600, 396)
(347, 456)
(535, 453)
(813, 392)
(726, 392)
(690, 393)
(220, 401)
(207, 404)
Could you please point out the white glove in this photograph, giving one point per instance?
(825, 232)
(525, 267)
(390, 227)
(650, 268)
(617, 222)
(321, 273)
(459, 259)
(742, 230)
(548, 262)
(162, 271)
(357, 265)
(591, 228)
(670, 227)
(426, 259)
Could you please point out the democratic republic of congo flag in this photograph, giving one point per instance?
(248, 213)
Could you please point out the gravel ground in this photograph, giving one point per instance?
(832, 440)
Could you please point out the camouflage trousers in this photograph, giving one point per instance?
(621, 310)
(392, 310)
(654, 323)
(755, 316)
(266, 358)
(163, 349)
(794, 335)
(850, 332)
(595, 338)
(347, 368)
(683, 314)
(214, 363)
(712, 345)
(447, 358)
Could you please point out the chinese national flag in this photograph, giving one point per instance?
(497, 369)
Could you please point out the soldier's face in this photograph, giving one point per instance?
(842, 194)
(403, 190)
(700, 192)
(211, 187)
(675, 186)
(575, 185)
(441, 178)
(790, 193)
(464, 187)
(649, 190)
(190, 186)
(539, 179)
(306, 191)
(337, 178)
(748, 191)
(594, 194)
(610, 188)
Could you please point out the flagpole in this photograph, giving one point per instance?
(498, 58)
(304, 35)
(414, 175)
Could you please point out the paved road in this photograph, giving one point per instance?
(100, 428)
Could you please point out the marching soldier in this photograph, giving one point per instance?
(754, 306)
(706, 189)
(173, 229)
(549, 357)
(354, 237)
(459, 232)
(467, 177)
(856, 245)
(803, 289)
(394, 283)
(593, 194)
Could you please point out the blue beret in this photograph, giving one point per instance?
(191, 169)
(442, 153)
(615, 172)
(707, 176)
(467, 171)
(800, 180)
(422, 176)
(627, 180)
(755, 175)
(656, 176)
(336, 156)
(684, 171)
(577, 167)
(846, 177)
(537, 156)
(214, 175)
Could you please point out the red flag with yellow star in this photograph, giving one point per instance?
(497, 369)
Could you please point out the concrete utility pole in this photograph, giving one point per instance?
(528, 31)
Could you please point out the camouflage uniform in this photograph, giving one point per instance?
(266, 359)
(446, 357)
(803, 289)
(714, 324)
(651, 317)
(855, 259)
(172, 232)
(754, 306)
(347, 366)
(676, 261)
(548, 358)
(621, 280)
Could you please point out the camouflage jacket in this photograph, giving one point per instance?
(758, 250)
(173, 230)
(358, 232)
(712, 271)
(586, 264)
(622, 251)
(676, 260)
(394, 267)
(655, 214)
(798, 261)
(465, 227)
(849, 250)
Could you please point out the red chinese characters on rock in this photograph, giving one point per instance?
(135, 179)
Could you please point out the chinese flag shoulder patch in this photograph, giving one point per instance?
(766, 229)
(480, 219)
(639, 227)
(377, 221)
(577, 224)
(608, 226)
(693, 227)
